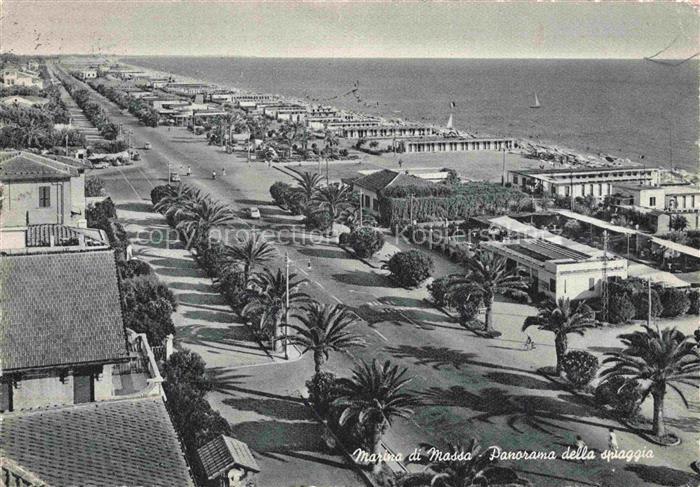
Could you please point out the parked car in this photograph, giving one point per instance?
(116, 162)
(99, 165)
(128, 162)
(253, 212)
(136, 156)
(174, 177)
(147, 146)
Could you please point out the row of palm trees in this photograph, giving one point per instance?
(375, 393)
(659, 359)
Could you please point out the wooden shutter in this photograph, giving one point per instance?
(83, 388)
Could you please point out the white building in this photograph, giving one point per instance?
(575, 182)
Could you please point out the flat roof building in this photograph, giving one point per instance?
(574, 182)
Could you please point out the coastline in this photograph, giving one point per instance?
(546, 146)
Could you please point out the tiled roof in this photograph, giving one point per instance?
(223, 453)
(107, 444)
(40, 235)
(379, 180)
(60, 308)
(23, 166)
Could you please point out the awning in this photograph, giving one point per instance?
(678, 247)
(596, 222)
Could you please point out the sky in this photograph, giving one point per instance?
(449, 29)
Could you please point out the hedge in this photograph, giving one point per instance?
(467, 200)
(675, 302)
(620, 309)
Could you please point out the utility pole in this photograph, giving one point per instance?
(411, 210)
(503, 176)
(361, 208)
(286, 305)
(649, 302)
(604, 282)
(327, 180)
(571, 173)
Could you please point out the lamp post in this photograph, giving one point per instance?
(287, 261)
(361, 207)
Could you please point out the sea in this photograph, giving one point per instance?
(641, 110)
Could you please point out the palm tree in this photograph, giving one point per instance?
(251, 252)
(197, 219)
(350, 217)
(463, 466)
(660, 360)
(177, 200)
(271, 300)
(487, 275)
(372, 398)
(308, 185)
(330, 140)
(333, 197)
(323, 330)
(562, 318)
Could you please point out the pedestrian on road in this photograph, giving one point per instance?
(223, 172)
(213, 174)
(612, 440)
(189, 170)
(400, 163)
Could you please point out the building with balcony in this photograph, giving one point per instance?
(580, 182)
(81, 395)
(40, 190)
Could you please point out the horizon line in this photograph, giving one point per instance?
(437, 58)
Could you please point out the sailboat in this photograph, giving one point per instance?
(537, 102)
(449, 123)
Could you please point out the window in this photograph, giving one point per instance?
(600, 189)
(591, 284)
(515, 179)
(553, 285)
(375, 205)
(652, 201)
(44, 196)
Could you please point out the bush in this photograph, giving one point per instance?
(694, 299)
(343, 238)
(410, 268)
(160, 192)
(317, 220)
(322, 392)
(620, 309)
(641, 304)
(210, 256)
(467, 307)
(623, 396)
(438, 290)
(94, 186)
(366, 241)
(573, 228)
(580, 367)
(279, 192)
(100, 213)
(133, 268)
(675, 302)
(148, 306)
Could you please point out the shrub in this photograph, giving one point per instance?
(641, 304)
(322, 392)
(410, 268)
(279, 192)
(94, 186)
(694, 299)
(98, 214)
(438, 290)
(233, 287)
(317, 220)
(573, 228)
(675, 302)
(133, 268)
(623, 396)
(467, 307)
(148, 306)
(160, 192)
(210, 256)
(580, 367)
(344, 238)
(366, 241)
(620, 309)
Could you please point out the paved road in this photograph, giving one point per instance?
(470, 386)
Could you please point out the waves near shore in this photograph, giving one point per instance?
(625, 108)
